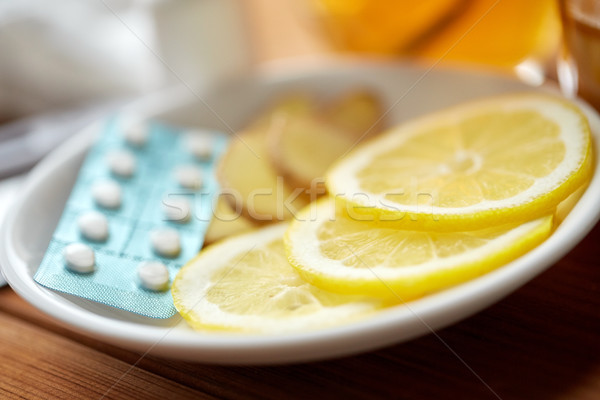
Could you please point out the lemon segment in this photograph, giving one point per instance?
(493, 161)
(337, 253)
(246, 284)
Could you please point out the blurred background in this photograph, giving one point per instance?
(74, 52)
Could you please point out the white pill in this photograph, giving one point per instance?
(107, 194)
(135, 133)
(189, 176)
(79, 258)
(177, 209)
(93, 226)
(200, 145)
(165, 242)
(153, 275)
(121, 163)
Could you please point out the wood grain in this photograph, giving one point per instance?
(41, 364)
(542, 342)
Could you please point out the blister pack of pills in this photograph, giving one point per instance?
(139, 210)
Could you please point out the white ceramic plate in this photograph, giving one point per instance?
(413, 90)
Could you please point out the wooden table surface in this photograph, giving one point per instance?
(542, 342)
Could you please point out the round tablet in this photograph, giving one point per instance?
(121, 163)
(189, 176)
(153, 275)
(166, 242)
(107, 194)
(79, 258)
(177, 209)
(200, 145)
(136, 133)
(93, 226)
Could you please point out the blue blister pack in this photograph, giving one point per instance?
(150, 200)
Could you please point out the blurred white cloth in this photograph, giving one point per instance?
(63, 52)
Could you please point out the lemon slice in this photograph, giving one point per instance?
(246, 284)
(337, 253)
(499, 160)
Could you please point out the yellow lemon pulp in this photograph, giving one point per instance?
(246, 284)
(499, 160)
(337, 253)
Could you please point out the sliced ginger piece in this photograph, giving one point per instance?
(226, 222)
(246, 173)
(291, 105)
(359, 114)
(303, 146)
